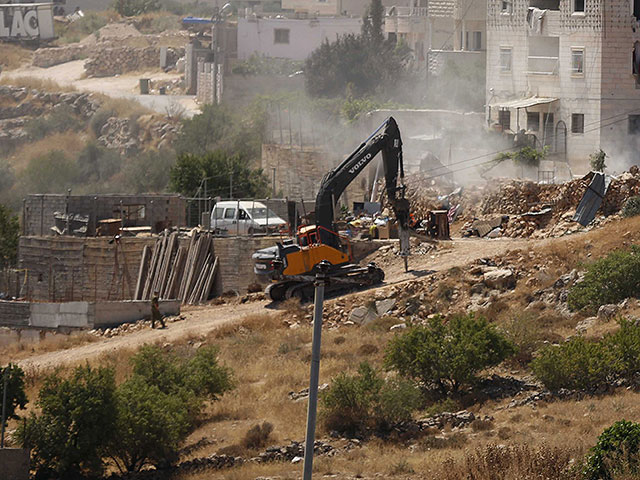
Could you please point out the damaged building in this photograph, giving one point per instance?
(567, 73)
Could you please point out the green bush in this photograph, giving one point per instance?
(150, 426)
(61, 119)
(624, 347)
(148, 172)
(577, 364)
(616, 453)
(447, 354)
(631, 207)
(130, 8)
(52, 172)
(69, 437)
(608, 280)
(366, 401)
(16, 396)
(99, 120)
(96, 163)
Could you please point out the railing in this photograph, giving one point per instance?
(406, 11)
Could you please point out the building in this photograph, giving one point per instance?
(290, 38)
(433, 27)
(568, 73)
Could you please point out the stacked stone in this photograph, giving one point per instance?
(111, 61)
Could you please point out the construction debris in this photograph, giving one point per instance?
(189, 273)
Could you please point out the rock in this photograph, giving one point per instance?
(501, 279)
(296, 459)
(398, 326)
(607, 312)
(385, 306)
(586, 324)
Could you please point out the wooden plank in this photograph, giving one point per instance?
(178, 271)
(212, 274)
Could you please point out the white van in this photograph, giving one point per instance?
(245, 217)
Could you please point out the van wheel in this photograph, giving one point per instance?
(251, 231)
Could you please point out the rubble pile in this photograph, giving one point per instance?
(294, 450)
(128, 135)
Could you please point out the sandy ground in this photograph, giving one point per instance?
(121, 86)
(201, 320)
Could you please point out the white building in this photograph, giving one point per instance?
(290, 38)
(568, 72)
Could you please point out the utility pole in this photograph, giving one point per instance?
(4, 404)
(322, 279)
(273, 188)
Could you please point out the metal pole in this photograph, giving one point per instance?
(321, 281)
(4, 403)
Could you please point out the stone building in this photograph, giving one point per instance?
(567, 72)
(41, 213)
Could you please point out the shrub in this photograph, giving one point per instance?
(99, 120)
(631, 207)
(366, 401)
(52, 172)
(577, 364)
(16, 397)
(624, 346)
(148, 172)
(96, 163)
(616, 453)
(61, 119)
(608, 280)
(257, 436)
(150, 426)
(447, 354)
(69, 437)
(130, 8)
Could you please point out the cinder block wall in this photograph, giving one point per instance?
(236, 264)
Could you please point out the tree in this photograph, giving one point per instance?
(69, 438)
(9, 234)
(151, 425)
(358, 64)
(52, 172)
(227, 175)
(447, 354)
(16, 396)
(148, 172)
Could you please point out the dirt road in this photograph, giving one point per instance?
(71, 74)
(201, 320)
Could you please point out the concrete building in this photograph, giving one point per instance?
(290, 38)
(567, 72)
(433, 27)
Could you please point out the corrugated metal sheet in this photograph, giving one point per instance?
(592, 199)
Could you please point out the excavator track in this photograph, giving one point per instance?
(342, 279)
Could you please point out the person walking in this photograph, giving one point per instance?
(156, 316)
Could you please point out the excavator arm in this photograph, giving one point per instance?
(386, 140)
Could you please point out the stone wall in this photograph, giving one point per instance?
(80, 269)
(118, 60)
(160, 211)
(48, 57)
(14, 314)
(236, 264)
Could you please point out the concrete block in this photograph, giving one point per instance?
(8, 336)
(15, 463)
(80, 308)
(115, 313)
(30, 336)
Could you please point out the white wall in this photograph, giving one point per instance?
(256, 35)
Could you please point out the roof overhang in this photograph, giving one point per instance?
(524, 102)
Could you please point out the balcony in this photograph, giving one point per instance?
(405, 20)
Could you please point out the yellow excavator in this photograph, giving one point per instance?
(290, 267)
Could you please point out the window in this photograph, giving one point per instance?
(281, 35)
(473, 41)
(577, 123)
(217, 213)
(634, 124)
(577, 61)
(242, 215)
(635, 8)
(578, 6)
(533, 121)
(505, 59)
(506, 6)
(230, 213)
(504, 119)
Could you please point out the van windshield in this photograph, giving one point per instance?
(261, 212)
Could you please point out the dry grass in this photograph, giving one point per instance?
(70, 143)
(37, 84)
(123, 107)
(14, 56)
(52, 342)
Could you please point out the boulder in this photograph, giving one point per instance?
(586, 324)
(607, 312)
(501, 279)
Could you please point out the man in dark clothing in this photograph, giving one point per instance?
(156, 316)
